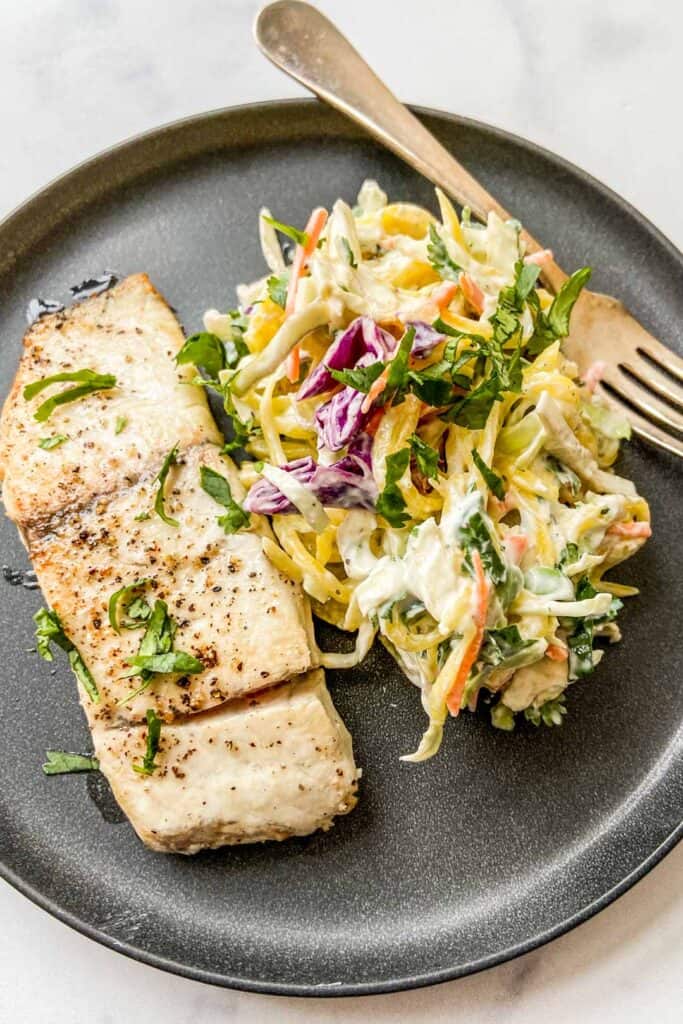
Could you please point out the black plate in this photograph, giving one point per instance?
(500, 843)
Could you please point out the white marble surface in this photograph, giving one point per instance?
(598, 83)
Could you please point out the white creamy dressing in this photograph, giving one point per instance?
(428, 569)
(587, 522)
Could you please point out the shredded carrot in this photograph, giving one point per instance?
(454, 697)
(376, 390)
(443, 295)
(472, 292)
(373, 423)
(540, 257)
(594, 375)
(630, 529)
(316, 222)
(516, 545)
(556, 652)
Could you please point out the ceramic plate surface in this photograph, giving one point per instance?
(502, 841)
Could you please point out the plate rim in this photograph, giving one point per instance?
(403, 983)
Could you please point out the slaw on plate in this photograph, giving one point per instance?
(435, 472)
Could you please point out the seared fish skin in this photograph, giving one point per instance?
(273, 762)
(233, 610)
(275, 765)
(130, 332)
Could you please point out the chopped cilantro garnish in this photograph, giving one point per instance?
(49, 630)
(218, 487)
(493, 481)
(568, 556)
(277, 289)
(473, 410)
(439, 257)
(153, 735)
(300, 237)
(242, 430)
(391, 503)
(475, 534)
(131, 604)
(121, 424)
(550, 713)
(156, 655)
(501, 644)
(426, 457)
(60, 762)
(361, 378)
(87, 383)
(171, 661)
(555, 323)
(211, 355)
(48, 443)
(398, 367)
(160, 478)
(351, 259)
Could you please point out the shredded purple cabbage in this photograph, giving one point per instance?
(348, 483)
(361, 338)
(341, 418)
(426, 338)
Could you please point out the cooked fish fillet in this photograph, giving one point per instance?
(275, 765)
(130, 332)
(233, 609)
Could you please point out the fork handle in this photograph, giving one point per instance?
(306, 45)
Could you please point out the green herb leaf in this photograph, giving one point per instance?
(49, 630)
(560, 312)
(361, 379)
(434, 384)
(473, 410)
(91, 382)
(121, 424)
(47, 443)
(218, 487)
(525, 280)
(205, 351)
(346, 245)
(426, 457)
(171, 661)
(160, 631)
(501, 644)
(160, 478)
(277, 289)
(153, 735)
(580, 643)
(568, 556)
(439, 257)
(130, 601)
(475, 534)
(156, 655)
(242, 430)
(141, 517)
(555, 323)
(300, 237)
(493, 481)
(60, 762)
(551, 713)
(398, 367)
(390, 502)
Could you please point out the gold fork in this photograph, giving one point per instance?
(640, 376)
